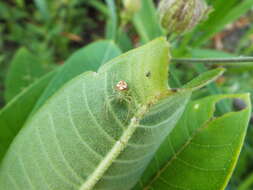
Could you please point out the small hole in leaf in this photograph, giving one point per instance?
(148, 74)
(174, 90)
(239, 104)
(229, 105)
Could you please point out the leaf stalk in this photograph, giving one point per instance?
(214, 60)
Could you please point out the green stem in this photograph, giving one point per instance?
(213, 60)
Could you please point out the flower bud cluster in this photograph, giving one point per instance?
(181, 15)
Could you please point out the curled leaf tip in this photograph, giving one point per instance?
(204, 79)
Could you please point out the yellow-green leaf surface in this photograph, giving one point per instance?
(16, 112)
(90, 135)
(202, 150)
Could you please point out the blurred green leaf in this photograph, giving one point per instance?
(202, 150)
(247, 184)
(42, 5)
(89, 58)
(227, 12)
(4, 11)
(2, 57)
(245, 45)
(20, 3)
(209, 53)
(100, 6)
(112, 22)
(124, 41)
(24, 69)
(15, 113)
(146, 22)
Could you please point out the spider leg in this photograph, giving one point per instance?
(130, 107)
(107, 104)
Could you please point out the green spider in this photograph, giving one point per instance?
(121, 99)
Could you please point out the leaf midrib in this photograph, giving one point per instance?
(119, 146)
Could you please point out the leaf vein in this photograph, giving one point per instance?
(60, 150)
(63, 178)
(97, 124)
(76, 131)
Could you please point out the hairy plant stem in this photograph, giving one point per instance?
(214, 60)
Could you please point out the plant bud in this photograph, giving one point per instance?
(132, 6)
(180, 16)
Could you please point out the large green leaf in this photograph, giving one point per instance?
(73, 136)
(25, 68)
(202, 150)
(90, 135)
(89, 58)
(15, 113)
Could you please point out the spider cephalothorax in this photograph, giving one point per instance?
(122, 86)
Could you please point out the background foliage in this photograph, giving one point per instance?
(48, 32)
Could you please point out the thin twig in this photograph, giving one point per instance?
(213, 60)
